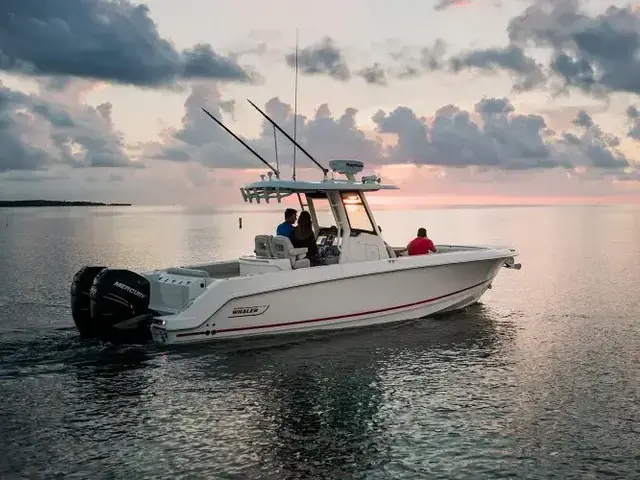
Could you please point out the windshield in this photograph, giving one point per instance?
(356, 213)
(323, 212)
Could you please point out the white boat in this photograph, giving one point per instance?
(360, 280)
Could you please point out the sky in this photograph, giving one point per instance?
(454, 101)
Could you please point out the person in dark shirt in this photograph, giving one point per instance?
(303, 237)
(286, 228)
(421, 245)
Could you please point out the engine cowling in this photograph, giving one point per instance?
(80, 298)
(117, 296)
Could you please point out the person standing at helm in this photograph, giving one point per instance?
(421, 245)
(286, 228)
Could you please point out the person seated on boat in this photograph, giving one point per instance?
(286, 228)
(303, 237)
(421, 245)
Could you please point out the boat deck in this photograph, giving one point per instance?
(231, 268)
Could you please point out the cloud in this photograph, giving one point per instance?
(632, 177)
(30, 176)
(326, 58)
(106, 40)
(374, 75)
(38, 133)
(414, 63)
(492, 136)
(444, 4)
(199, 139)
(529, 73)
(323, 57)
(501, 139)
(601, 149)
(633, 117)
(595, 54)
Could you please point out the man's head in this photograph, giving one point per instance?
(422, 232)
(290, 215)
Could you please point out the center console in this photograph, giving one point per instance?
(327, 242)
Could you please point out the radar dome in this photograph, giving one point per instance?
(347, 167)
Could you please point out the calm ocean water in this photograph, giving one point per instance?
(540, 380)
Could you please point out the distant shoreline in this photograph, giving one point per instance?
(57, 203)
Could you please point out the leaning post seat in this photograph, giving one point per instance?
(263, 248)
(283, 248)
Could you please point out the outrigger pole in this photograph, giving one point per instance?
(276, 172)
(324, 170)
(295, 110)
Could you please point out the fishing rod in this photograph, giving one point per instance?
(295, 109)
(324, 170)
(276, 172)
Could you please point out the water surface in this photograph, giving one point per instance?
(540, 380)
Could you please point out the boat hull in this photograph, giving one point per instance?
(337, 303)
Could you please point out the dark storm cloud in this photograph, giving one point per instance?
(104, 40)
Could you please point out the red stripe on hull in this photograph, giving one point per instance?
(339, 317)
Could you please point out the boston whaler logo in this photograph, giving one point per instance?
(249, 311)
(127, 288)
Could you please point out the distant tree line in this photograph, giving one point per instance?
(57, 203)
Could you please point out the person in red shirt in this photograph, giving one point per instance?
(421, 245)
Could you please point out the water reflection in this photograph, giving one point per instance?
(539, 382)
(320, 407)
(113, 372)
(324, 416)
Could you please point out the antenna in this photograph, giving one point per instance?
(295, 110)
(324, 170)
(275, 143)
(242, 142)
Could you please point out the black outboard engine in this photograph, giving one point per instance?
(120, 306)
(80, 300)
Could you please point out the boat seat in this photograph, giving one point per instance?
(263, 246)
(283, 248)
